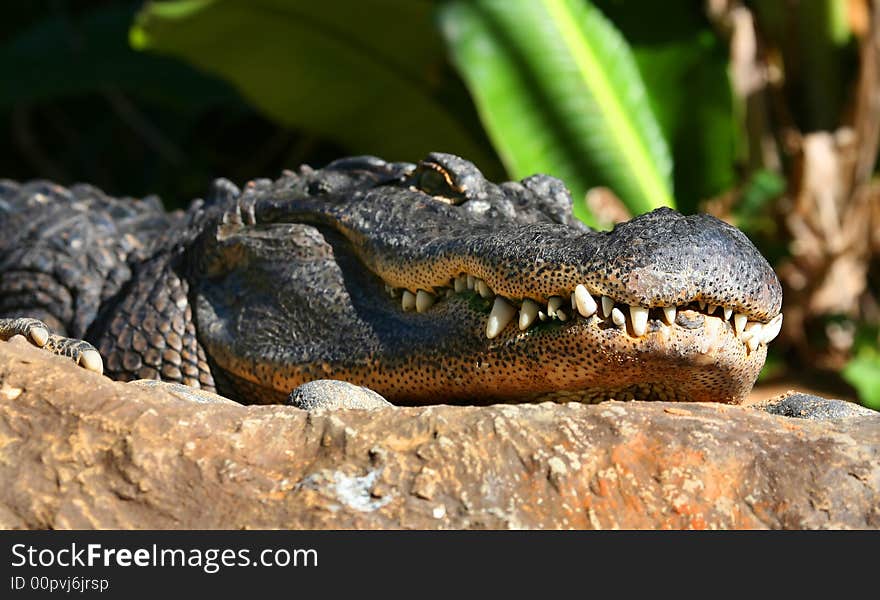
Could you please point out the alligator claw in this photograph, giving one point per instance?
(33, 329)
(37, 332)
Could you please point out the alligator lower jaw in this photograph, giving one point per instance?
(588, 360)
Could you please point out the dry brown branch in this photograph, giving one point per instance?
(830, 213)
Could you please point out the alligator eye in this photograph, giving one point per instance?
(431, 178)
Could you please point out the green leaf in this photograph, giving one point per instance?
(752, 212)
(685, 69)
(368, 75)
(863, 370)
(559, 92)
(690, 91)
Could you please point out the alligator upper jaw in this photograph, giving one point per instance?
(661, 259)
(412, 241)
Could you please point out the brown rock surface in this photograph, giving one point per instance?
(80, 451)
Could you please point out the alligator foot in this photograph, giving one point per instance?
(37, 332)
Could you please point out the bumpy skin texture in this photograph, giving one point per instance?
(255, 292)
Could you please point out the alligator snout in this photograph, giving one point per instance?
(664, 258)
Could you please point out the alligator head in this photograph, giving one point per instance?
(428, 283)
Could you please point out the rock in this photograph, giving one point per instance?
(80, 451)
(329, 394)
(184, 392)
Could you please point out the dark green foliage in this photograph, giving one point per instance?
(80, 105)
(370, 76)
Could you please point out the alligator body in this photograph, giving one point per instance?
(426, 283)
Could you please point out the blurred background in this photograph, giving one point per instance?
(764, 113)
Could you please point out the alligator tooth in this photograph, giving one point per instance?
(553, 305)
(561, 314)
(702, 304)
(639, 316)
(460, 284)
(471, 282)
(607, 305)
(771, 329)
(484, 290)
(617, 317)
(711, 309)
(542, 316)
(727, 313)
(752, 335)
(739, 323)
(584, 302)
(669, 313)
(527, 314)
(424, 301)
(502, 313)
(408, 302)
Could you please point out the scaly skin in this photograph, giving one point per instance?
(318, 275)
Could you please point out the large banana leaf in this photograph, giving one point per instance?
(684, 66)
(366, 74)
(559, 92)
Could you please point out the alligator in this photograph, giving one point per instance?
(424, 282)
